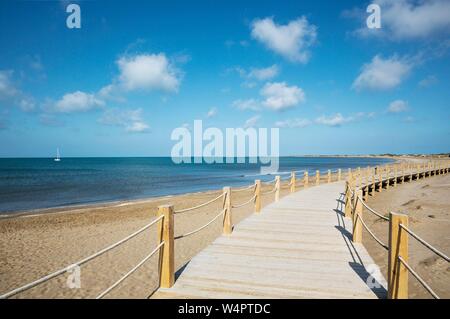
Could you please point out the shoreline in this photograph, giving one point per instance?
(73, 208)
(35, 245)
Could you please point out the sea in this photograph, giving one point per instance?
(38, 183)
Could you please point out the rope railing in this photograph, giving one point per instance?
(110, 288)
(286, 186)
(419, 279)
(273, 190)
(358, 217)
(198, 206)
(362, 183)
(200, 228)
(372, 210)
(78, 263)
(243, 189)
(245, 203)
(426, 244)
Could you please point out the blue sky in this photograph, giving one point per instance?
(136, 70)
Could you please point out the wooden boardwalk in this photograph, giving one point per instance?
(298, 247)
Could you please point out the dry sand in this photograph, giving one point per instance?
(34, 245)
(427, 204)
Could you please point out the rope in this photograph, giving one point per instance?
(245, 203)
(82, 261)
(198, 206)
(370, 232)
(371, 210)
(200, 228)
(286, 186)
(243, 189)
(419, 279)
(269, 192)
(423, 242)
(130, 272)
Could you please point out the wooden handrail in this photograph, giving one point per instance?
(398, 237)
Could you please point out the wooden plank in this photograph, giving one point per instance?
(298, 247)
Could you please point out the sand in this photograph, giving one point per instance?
(426, 202)
(35, 244)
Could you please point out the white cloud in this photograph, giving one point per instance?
(292, 40)
(148, 72)
(249, 104)
(251, 122)
(428, 81)
(262, 74)
(26, 104)
(131, 120)
(293, 123)
(278, 96)
(77, 102)
(382, 74)
(137, 127)
(407, 19)
(334, 120)
(253, 75)
(7, 88)
(398, 106)
(212, 112)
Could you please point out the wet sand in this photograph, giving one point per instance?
(426, 202)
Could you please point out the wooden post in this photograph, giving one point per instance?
(403, 174)
(395, 176)
(357, 225)
(292, 181)
(317, 177)
(380, 180)
(366, 193)
(258, 196)
(349, 173)
(339, 174)
(348, 198)
(398, 246)
(277, 187)
(388, 176)
(305, 179)
(167, 255)
(329, 176)
(227, 216)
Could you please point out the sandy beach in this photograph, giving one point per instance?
(426, 203)
(34, 245)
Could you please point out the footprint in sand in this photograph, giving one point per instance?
(409, 202)
(430, 261)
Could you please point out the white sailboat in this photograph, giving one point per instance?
(57, 159)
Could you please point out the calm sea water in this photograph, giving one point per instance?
(32, 183)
